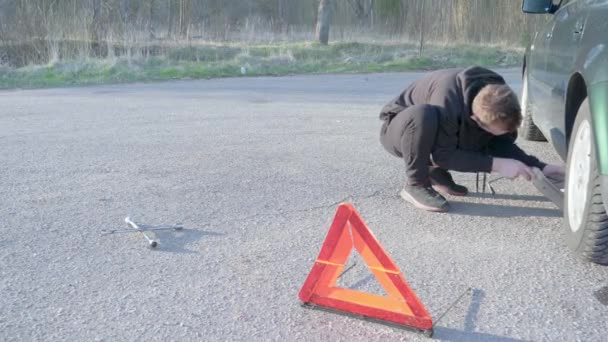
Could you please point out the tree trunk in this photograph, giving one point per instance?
(169, 19)
(324, 21)
(282, 14)
(363, 11)
(95, 25)
(422, 27)
(151, 34)
(184, 18)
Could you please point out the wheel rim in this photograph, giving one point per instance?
(578, 176)
(524, 100)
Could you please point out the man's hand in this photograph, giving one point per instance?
(511, 168)
(554, 171)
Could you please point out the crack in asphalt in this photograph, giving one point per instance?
(284, 213)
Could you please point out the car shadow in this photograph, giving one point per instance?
(496, 210)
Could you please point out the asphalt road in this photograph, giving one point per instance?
(254, 169)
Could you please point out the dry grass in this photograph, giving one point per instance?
(172, 60)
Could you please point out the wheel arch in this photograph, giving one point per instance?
(576, 93)
(598, 106)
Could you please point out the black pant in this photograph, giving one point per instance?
(410, 135)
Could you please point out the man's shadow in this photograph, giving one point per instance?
(602, 295)
(496, 210)
(176, 241)
(512, 197)
(469, 334)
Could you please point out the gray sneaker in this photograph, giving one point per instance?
(443, 182)
(425, 197)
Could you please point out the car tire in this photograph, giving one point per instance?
(586, 222)
(528, 129)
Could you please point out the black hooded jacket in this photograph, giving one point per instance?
(461, 145)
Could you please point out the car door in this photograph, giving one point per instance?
(536, 65)
(595, 42)
(570, 20)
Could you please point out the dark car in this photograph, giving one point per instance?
(565, 101)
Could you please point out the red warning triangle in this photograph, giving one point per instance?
(400, 306)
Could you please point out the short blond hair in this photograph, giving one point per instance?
(498, 104)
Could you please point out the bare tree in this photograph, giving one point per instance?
(324, 21)
(185, 11)
(364, 10)
(33, 30)
(150, 25)
(282, 15)
(95, 25)
(422, 28)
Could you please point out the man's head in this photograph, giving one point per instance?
(496, 109)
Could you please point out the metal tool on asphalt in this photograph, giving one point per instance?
(490, 185)
(486, 183)
(552, 188)
(135, 227)
(477, 182)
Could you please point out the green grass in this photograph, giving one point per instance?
(211, 61)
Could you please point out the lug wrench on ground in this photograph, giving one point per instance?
(142, 229)
(136, 227)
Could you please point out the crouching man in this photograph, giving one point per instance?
(464, 120)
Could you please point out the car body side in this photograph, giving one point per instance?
(566, 63)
